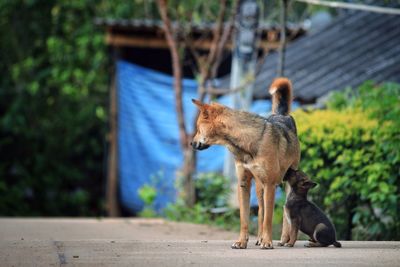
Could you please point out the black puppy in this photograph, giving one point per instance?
(305, 215)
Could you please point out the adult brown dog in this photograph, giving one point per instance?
(263, 148)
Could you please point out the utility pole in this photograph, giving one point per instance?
(244, 61)
(282, 45)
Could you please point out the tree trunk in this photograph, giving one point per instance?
(207, 68)
(112, 176)
(188, 168)
(189, 159)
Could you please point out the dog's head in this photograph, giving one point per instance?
(207, 125)
(299, 181)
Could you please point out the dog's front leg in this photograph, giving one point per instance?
(269, 201)
(244, 183)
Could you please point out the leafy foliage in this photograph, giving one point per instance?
(212, 191)
(147, 194)
(352, 151)
(53, 105)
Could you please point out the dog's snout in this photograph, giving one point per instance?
(199, 145)
(193, 144)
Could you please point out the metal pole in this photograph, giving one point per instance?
(243, 65)
(282, 47)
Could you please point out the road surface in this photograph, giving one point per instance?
(155, 242)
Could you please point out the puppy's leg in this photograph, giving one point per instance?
(244, 179)
(260, 199)
(269, 199)
(294, 230)
(285, 224)
(311, 244)
(285, 237)
(324, 235)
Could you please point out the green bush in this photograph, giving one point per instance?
(147, 194)
(212, 191)
(352, 151)
(53, 101)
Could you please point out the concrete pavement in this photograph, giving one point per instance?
(140, 242)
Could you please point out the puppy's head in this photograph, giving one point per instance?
(299, 181)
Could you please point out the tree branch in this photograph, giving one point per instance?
(216, 35)
(226, 91)
(225, 35)
(177, 69)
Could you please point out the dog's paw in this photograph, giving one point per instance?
(258, 242)
(289, 245)
(266, 245)
(239, 245)
(280, 244)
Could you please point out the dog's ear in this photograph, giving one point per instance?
(202, 106)
(207, 110)
(198, 103)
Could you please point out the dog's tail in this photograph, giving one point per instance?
(337, 244)
(281, 91)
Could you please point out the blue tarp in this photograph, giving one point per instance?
(148, 145)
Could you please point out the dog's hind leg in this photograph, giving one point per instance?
(260, 199)
(269, 201)
(244, 184)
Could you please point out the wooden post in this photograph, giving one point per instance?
(112, 173)
(282, 47)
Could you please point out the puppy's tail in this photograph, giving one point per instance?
(337, 244)
(281, 91)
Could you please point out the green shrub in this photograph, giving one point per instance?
(147, 194)
(212, 191)
(352, 151)
(53, 97)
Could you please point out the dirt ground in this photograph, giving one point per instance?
(141, 242)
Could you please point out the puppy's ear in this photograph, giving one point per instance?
(310, 184)
(289, 173)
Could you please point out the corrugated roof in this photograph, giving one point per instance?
(158, 24)
(356, 47)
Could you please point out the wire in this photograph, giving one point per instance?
(335, 4)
